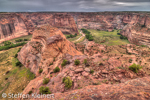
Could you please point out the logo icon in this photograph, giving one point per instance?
(4, 95)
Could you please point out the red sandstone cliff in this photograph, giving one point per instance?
(138, 30)
(18, 24)
(11, 26)
(64, 22)
(47, 43)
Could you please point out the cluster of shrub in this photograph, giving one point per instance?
(135, 68)
(72, 36)
(20, 40)
(8, 45)
(18, 63)
(122, 37)
(88, 35)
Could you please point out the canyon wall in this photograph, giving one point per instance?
(11, 26)
(63, 21)
(138, 30)
(134, 25)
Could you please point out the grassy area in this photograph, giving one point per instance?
(108, 38)
(23, 37)
(17, 78)
(74, 38)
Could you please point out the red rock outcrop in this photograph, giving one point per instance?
(137, 33)
(136, 89)
(48, 43)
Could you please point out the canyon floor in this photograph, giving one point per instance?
(96, 70)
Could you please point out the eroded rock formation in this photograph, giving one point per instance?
(49, 47)
(134, 25)
(47, 44)
(63, 21)
(11, 26)
(138, 31)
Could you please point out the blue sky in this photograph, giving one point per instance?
(73, 5)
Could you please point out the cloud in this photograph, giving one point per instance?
(132, 3)
(74, 5)
(115, 5)
(66, 3)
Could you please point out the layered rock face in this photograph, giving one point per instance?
(63, 21)
(17, 24)
(101, 20)
(134, 25)
(11, 26)
(47, 44)
(138, 30)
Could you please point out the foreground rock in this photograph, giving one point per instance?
(107, 67)
(136, 89)
(48, 44)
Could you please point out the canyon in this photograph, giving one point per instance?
(135, 26)
(99, 73)
(86, 70)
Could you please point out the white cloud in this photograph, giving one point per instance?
(132, 3)
(102, 1)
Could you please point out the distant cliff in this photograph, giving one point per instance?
(11, 26)
(135, 26)
(138, 30)
(63, 21)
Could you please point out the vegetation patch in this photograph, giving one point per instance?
(17, 78)
(88, 35)
(108, 38)
(19, 40)
(57, 69)
(135, 68)
(51, 64)
(64, 62)
(46, 80)
(30, 92)
(77, 62)
(40, 70)
(18, 63)
(8, 45)
(30, 75)
(16, 55)
(91, 71)
(44, 90)
(68, 82)
(123, 37)
(130, 60)
(72, 36)
(143, 45)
